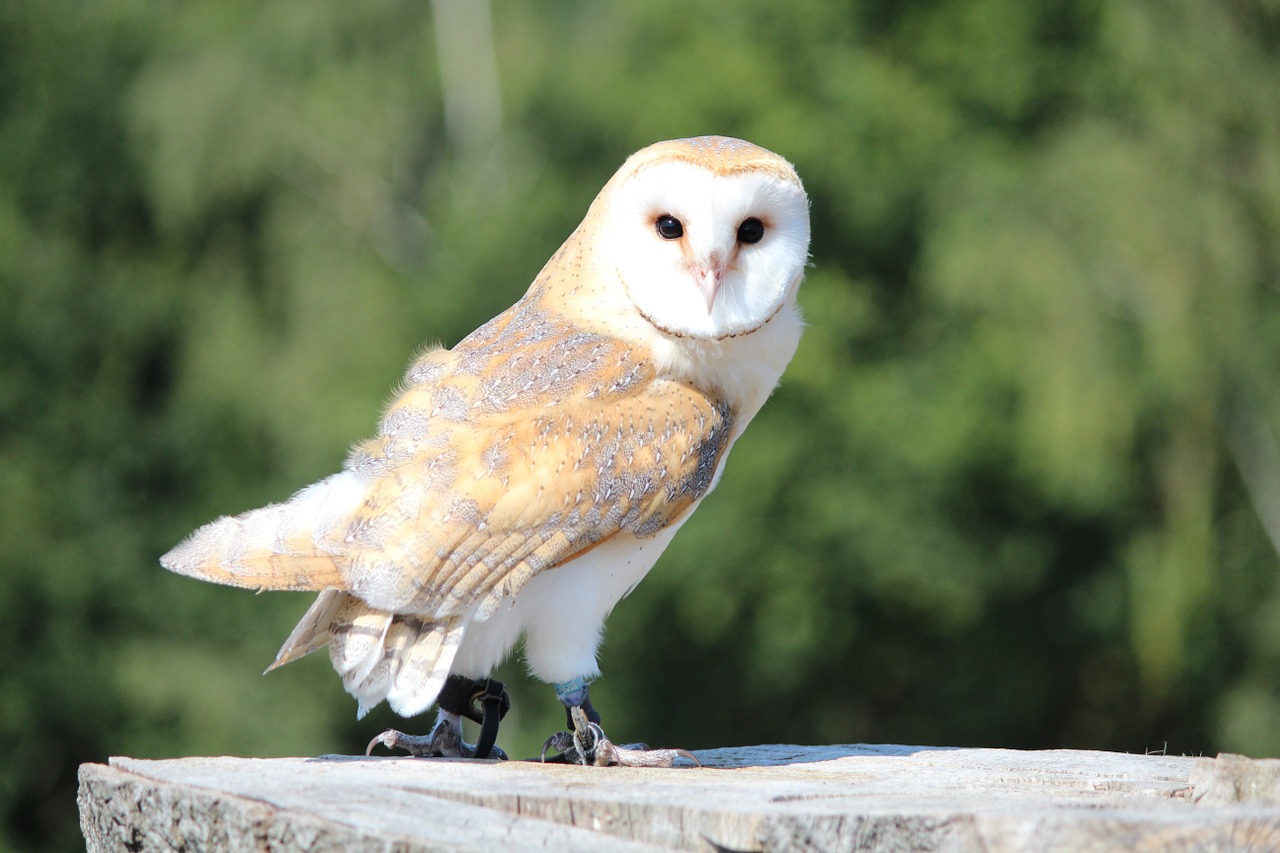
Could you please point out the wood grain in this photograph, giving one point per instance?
(772, 797)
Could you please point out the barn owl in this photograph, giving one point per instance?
(523, 482)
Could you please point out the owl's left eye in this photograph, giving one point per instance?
(669, 228)
(750, 231)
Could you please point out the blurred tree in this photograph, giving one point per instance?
(1015, 490)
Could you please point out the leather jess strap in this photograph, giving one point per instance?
(484, 701)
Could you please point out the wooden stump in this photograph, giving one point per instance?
(752, 798)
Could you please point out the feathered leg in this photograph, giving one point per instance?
(586, 743)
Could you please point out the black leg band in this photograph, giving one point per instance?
(482, 701)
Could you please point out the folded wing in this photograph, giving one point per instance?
(522, 448)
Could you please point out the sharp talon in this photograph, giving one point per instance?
(415, 745)
(387, 739)
(445, 741)
(561, 742)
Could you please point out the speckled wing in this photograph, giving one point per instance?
(528, 443)
(531, 443)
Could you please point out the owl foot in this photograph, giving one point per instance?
(587, 745)
(445, 741)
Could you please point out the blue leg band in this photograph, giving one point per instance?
(572, 693)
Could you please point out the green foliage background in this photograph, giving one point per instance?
(1015, 489)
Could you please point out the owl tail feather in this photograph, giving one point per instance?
(379, 655)
(292, 545)
(313, 631)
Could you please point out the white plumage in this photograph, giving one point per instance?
(526, 480)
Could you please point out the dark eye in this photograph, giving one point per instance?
(669, 228)
(750, 231)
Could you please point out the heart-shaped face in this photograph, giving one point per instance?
(708, 236)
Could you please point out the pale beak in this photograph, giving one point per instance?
(709, 280)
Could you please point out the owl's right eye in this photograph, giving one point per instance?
(669, 228)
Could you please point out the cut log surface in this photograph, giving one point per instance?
(749, 798)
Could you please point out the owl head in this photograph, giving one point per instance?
(708, 236)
